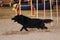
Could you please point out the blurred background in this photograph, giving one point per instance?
(7, 5)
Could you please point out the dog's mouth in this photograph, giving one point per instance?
(13, 19)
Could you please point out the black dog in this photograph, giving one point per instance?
(30, 22)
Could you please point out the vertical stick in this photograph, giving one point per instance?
(44, 9)
(57, 10)
(32, 8)
(19, 8)
(51, 10)
(0, 8)
(37, 7)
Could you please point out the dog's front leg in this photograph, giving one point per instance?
(26, 29)
(23, 28)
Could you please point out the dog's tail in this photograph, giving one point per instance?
(48, 20)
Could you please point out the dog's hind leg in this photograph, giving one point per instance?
(38, 28)
(45, 27)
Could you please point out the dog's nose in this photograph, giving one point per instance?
(12, 18)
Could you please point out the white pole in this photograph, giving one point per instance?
(51, 8)
(44, 9)
(57, 10)
(51, 11)
(37, 8)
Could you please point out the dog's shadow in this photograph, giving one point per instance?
(18, 32)
(22, 32)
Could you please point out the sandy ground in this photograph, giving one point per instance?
(10, 30)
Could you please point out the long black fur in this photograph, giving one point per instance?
(31, 22)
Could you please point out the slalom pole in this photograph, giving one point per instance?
(0, 8)
(19, 8)
(57, 10)
(32, 8)
(44, 10)
(51, 8)
(37, 8)
(51, 11)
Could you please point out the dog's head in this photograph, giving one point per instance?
(19, 18)
(15, 18)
